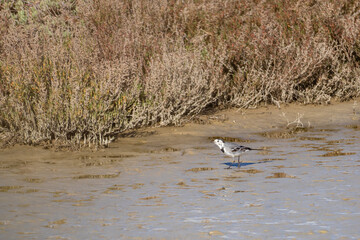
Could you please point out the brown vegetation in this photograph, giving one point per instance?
(80, 72)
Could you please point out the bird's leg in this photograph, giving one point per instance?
(239, 161)
(230, 164)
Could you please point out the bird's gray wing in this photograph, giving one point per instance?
(231, 145)
(236, 147)
(240, 149)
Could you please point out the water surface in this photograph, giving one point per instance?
(171, 183)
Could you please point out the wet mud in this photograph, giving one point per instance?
(173, 183)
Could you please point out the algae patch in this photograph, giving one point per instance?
(231, 139)
(336, 153)
(251, 171)
(200, 169)
(280, 175)
(8, 188)
(97, 176)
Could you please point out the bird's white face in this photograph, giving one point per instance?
(219, 143)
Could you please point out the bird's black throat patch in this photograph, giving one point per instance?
(222, 149)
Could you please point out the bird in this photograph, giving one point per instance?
(232, 149)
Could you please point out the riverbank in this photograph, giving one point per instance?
(78, 73)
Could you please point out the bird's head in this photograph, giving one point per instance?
(219, 143)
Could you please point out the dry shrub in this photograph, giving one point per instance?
(183, 83)
(296, 53)
(80, 72)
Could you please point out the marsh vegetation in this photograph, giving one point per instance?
(77, 73)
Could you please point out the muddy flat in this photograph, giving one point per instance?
(172, 183)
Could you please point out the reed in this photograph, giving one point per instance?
(77, 73)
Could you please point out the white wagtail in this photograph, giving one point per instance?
(232, 149)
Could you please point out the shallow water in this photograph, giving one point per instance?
(172, 183)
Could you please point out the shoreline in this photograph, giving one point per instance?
(234, 123)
